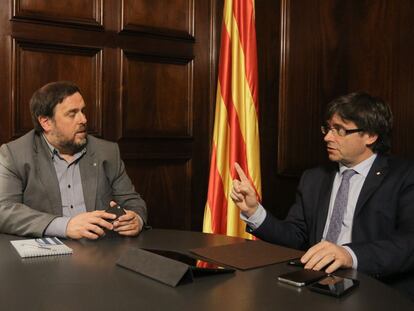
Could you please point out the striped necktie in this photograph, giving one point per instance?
(339, 207)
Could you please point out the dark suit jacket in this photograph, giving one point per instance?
(29, 190)
(383, 225)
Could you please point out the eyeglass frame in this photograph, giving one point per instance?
(338, 130)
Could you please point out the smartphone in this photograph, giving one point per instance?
(295, 262)
(117, 210)
(302, 277)
(334, 285)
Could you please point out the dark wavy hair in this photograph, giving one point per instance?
(45, 99)
(369, 113)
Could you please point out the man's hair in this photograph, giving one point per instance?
(45, 99)
(369, 113)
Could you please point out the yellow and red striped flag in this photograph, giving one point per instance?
(236, 130)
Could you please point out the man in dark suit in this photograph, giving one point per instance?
(58, 181)
(358, 212)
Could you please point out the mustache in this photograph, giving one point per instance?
(82, 128)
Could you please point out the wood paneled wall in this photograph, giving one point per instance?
(326, 49)
(145, 70)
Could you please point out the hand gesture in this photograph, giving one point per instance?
(243, 193)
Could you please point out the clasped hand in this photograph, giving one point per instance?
(91, 225)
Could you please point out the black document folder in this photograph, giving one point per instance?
(248, 255)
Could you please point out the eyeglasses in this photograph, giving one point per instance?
(338, 131)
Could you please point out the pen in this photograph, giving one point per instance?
(39, 246)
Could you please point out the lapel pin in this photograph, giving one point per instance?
(378, 173)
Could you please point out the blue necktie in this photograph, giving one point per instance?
(339, 207)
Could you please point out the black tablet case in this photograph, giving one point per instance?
(160, 268)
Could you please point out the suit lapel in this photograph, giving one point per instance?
(323, 203)
(374, 179)
(88, 166)
(47, 174)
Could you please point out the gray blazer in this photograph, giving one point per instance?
(29, 190)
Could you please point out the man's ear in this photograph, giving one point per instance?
(45, 123)
(371, 139)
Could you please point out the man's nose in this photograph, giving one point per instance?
(328, 136)
(82, 119)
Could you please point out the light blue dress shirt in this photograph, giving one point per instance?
(71, 191)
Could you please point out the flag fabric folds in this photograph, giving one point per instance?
(236, 132)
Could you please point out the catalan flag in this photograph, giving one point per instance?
(236, 131)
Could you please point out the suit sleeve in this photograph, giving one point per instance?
(393, 252)
(16, 217)
(123, 190)
(291, 232)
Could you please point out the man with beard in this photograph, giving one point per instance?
(58, 181)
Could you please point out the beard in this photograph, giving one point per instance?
(71, 146)
(67, 142)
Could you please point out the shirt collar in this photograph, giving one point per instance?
(54, 151)
(361, 168)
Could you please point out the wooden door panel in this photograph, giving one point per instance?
(36, 64)
(74, 12)
(165, 187)
(170, 18)
(157, 99)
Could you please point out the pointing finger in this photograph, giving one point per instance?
(240, 171)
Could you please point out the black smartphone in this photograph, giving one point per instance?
(295, 262)
(117, 210)
(302, 277)
(334, 285)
